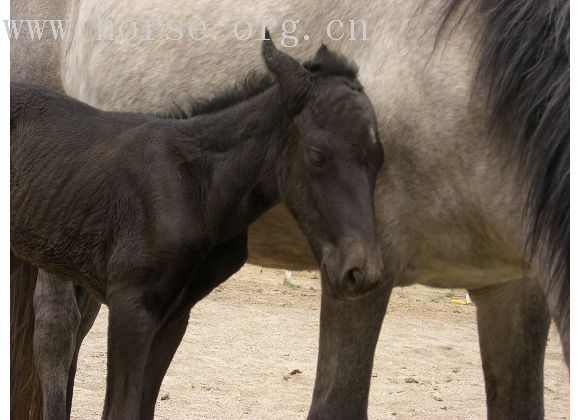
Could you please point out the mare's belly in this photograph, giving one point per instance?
(275, 241)
(461, 275)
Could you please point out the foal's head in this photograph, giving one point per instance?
(328, 176)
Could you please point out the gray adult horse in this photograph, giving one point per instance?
(472, 101)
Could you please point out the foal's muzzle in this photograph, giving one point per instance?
(352, 270)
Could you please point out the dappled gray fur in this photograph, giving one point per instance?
(525, 65)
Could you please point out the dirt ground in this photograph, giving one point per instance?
(246, 338)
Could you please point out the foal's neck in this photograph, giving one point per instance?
(244, 144)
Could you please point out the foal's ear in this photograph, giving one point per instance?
(315, 64)
(322, 53)
(295, 80)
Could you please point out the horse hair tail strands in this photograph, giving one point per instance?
(525, 65)
(25, 390)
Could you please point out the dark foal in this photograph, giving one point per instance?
(151, 214)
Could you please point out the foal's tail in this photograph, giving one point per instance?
(25, 391)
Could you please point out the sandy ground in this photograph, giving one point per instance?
(246, 338)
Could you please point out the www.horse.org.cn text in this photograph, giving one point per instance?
(289, 33)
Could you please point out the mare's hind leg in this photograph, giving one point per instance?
(89, 309)
(56, 321)
(217, 267)
(513, 322)
(557, 294)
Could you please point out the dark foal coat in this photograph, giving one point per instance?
(132, 189)
(151, 214)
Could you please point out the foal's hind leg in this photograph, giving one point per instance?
(89, 309)
(56, 320)
(513, 323)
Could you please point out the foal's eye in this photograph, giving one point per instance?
(316, 157)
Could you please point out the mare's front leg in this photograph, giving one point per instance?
(220, 264)
(139, 299)
(349, 330)
(513, 322)
(56, 319)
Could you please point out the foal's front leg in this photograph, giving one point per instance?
(89, 308)
(220, 264)
(138, 304)
(161, 353)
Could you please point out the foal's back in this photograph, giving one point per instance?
(35, 107)
(53, 135)
(85, 173)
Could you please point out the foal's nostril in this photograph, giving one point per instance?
(353, 279)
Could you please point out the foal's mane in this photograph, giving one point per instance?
(254, 83)
(525, 63)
